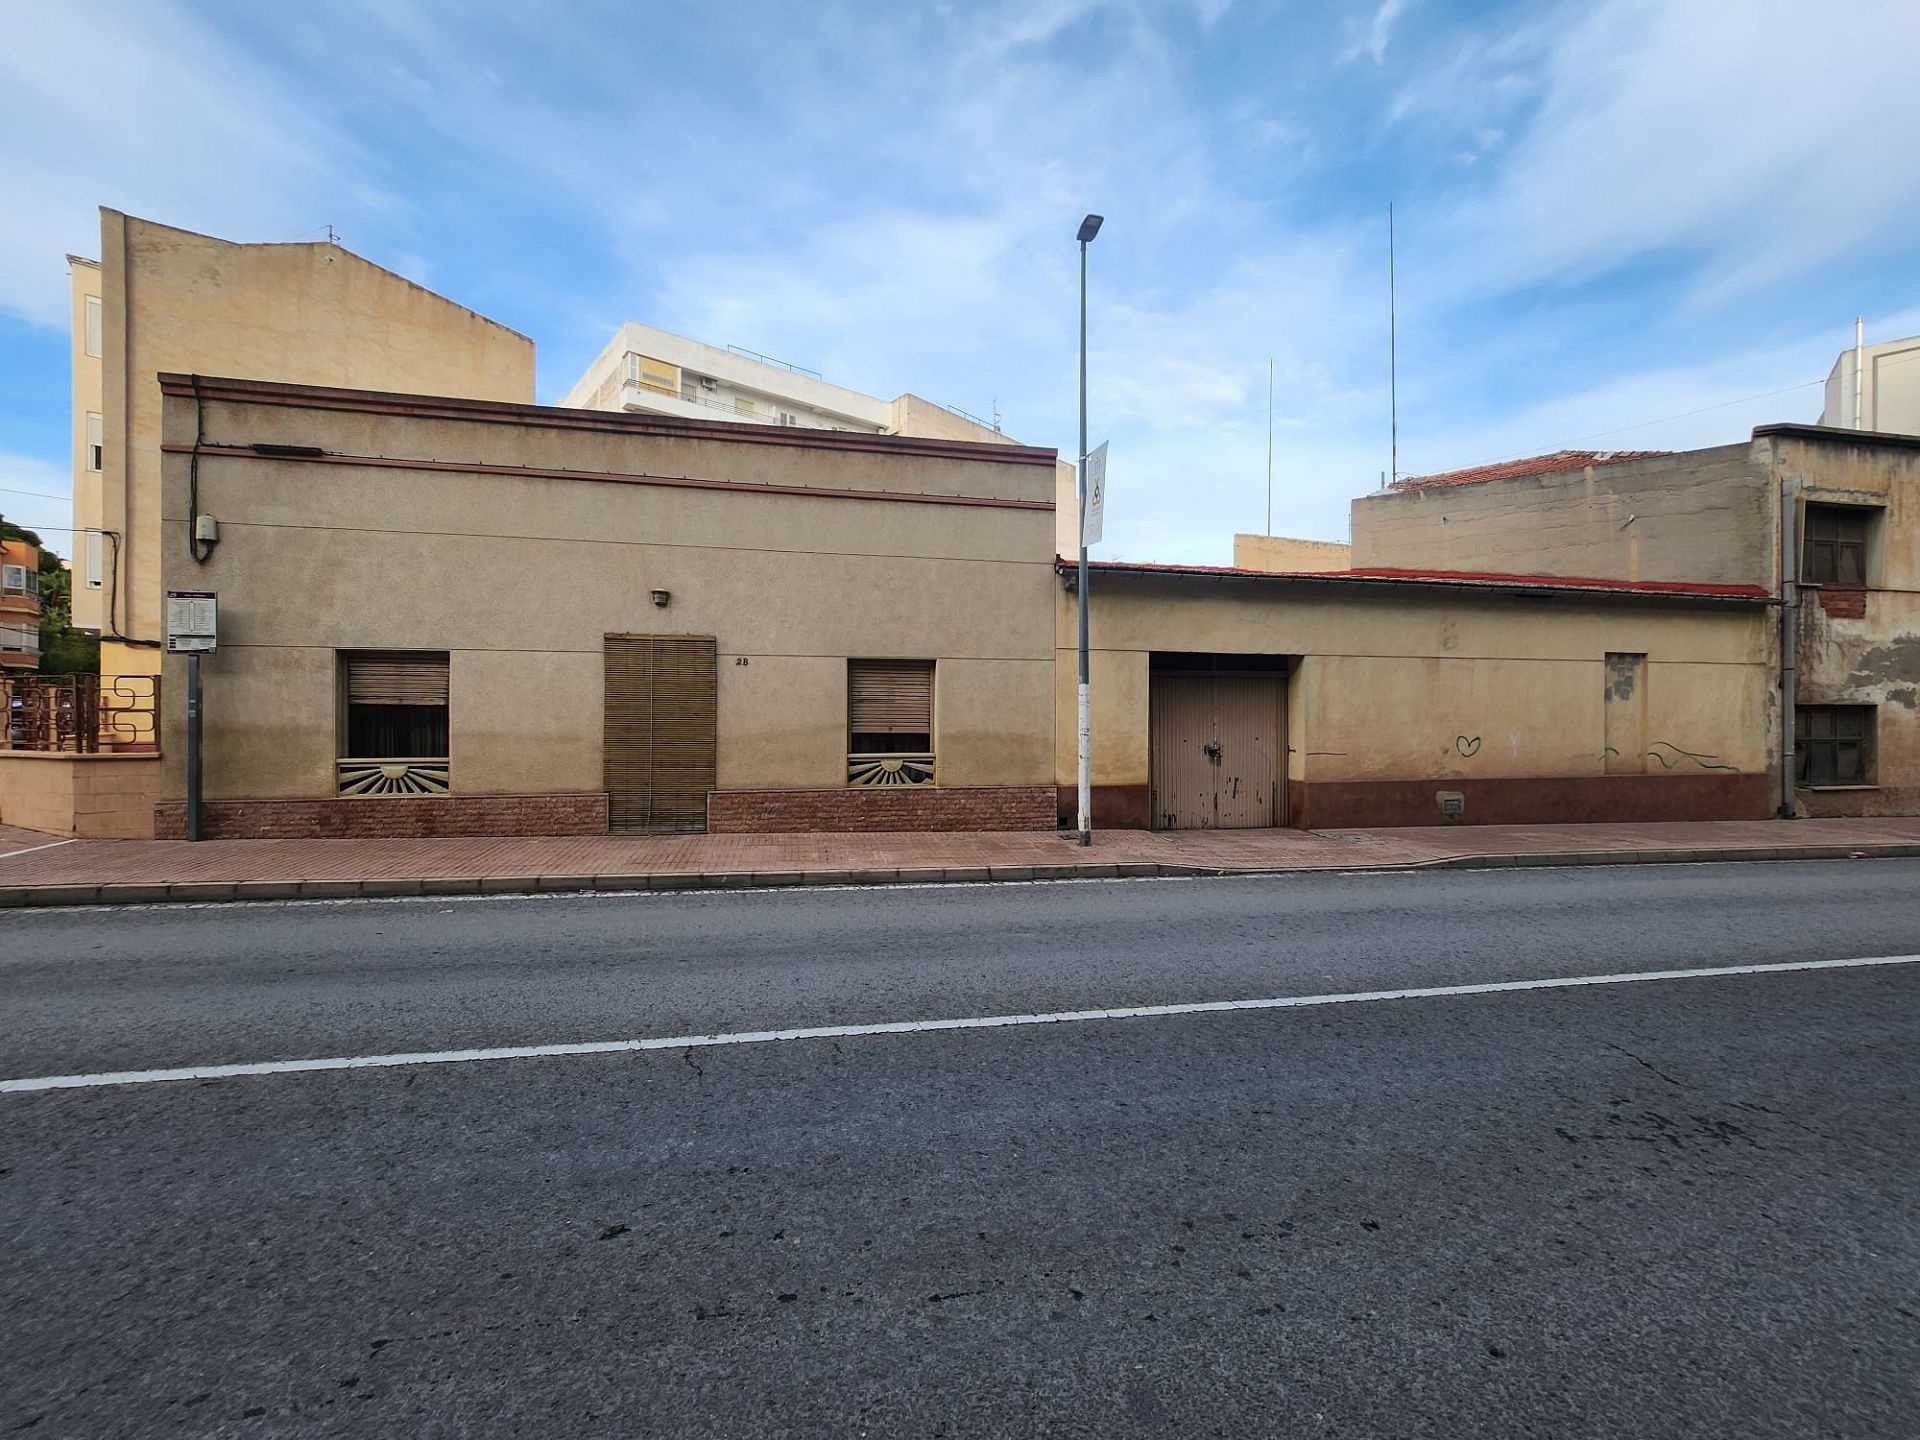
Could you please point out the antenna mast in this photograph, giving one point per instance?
(1269, 445)
(1393, 357)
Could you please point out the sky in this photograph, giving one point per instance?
(1619, 224)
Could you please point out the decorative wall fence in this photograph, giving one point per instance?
(80, 714)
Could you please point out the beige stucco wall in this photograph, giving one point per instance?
(521, 577)
(1701, 515)
(88, 797)
(1278, 552)
(1400, 685)
(306, 313)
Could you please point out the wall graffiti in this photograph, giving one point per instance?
(1467, 745)
(1705, 762)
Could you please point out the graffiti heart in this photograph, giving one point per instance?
(1467, 745)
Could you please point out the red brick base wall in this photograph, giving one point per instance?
(891, 807)
(1558, 800)
(398, 816)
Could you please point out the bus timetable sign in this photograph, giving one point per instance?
(192, 622)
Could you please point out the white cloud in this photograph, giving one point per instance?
(1380, 32)
(142, 108)
(1765, 144)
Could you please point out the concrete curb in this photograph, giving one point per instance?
(199, 892)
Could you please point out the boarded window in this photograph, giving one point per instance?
(94, 337)
(396, 706)
(1833, 744)
(1836, 549)
(890, 707)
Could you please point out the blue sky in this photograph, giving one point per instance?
(1610, 212)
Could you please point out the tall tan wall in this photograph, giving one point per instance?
(1419, 686)
(1278, 552)
(1700, 515)
(305, 313)
(520, 576)
(89, 601)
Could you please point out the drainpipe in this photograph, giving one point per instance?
(1789, 609)
(1859, 365)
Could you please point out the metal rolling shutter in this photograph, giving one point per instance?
(392, 680)
(660, 731)
(890, 697)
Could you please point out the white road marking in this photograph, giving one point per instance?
(908, 1027)
(52, 845)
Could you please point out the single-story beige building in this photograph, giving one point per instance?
(463, 616)
(1236, 697)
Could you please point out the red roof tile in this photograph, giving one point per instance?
(1465, 579)
(1552, 464)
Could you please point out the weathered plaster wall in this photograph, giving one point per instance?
(1418, 685)
(1702, 515)
(1863, 646)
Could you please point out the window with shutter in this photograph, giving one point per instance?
(396, 706)
(889, 722)
(96, 439)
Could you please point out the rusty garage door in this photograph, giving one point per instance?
(1218, 747)
(659, 740)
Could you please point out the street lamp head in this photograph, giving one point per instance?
(1089, 228)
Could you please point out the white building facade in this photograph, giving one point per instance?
(647, 371)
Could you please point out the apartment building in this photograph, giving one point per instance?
(644, 371)
(1875, 387)
(158, 298)
(19, 606)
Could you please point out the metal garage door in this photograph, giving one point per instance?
(660, 721)
(1218, 751)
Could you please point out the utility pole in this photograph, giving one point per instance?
(1089, 228)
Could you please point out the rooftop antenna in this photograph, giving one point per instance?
(332, 239)
(1393, 356)
(1269, 445)
(996, 414)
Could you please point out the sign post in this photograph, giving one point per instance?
(193, 630)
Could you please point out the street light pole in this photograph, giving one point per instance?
(1089, 228)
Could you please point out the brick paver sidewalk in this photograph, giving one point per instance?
(37, 869)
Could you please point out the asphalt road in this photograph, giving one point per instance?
(1670, 1208)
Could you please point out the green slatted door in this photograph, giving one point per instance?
(660, 725)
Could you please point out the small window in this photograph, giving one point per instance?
(889, 722)
(96, 559)
(1833, 744)
(93, 323)
(742, 406)
(1836, 548)
(19, 580)
(396, 707)
(96, 440)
